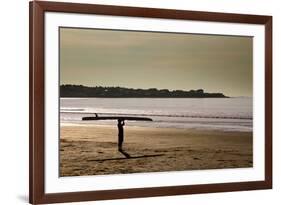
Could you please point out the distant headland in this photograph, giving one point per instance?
(81, 91)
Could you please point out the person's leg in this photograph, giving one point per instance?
(119, 143)
(120, 133)
(120, 138)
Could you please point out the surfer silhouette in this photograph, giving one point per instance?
(120, 125)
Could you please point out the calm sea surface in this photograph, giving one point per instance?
(200, 113)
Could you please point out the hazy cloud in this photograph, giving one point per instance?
(162, 60)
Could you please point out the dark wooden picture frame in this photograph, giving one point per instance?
(37, 193)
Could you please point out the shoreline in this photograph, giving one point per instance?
(75, 124)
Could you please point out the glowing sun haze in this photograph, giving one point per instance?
(215, 63)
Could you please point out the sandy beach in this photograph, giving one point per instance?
(92, 150)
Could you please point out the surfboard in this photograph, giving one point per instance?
(118, 118)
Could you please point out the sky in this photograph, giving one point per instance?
(174, 61)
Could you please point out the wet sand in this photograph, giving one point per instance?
(92, 150)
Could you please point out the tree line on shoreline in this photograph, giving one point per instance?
(81, 91)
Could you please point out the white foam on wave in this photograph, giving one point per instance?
(224, 114)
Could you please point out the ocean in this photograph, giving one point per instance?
(226, 114)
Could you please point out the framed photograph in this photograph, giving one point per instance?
(132, 102)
